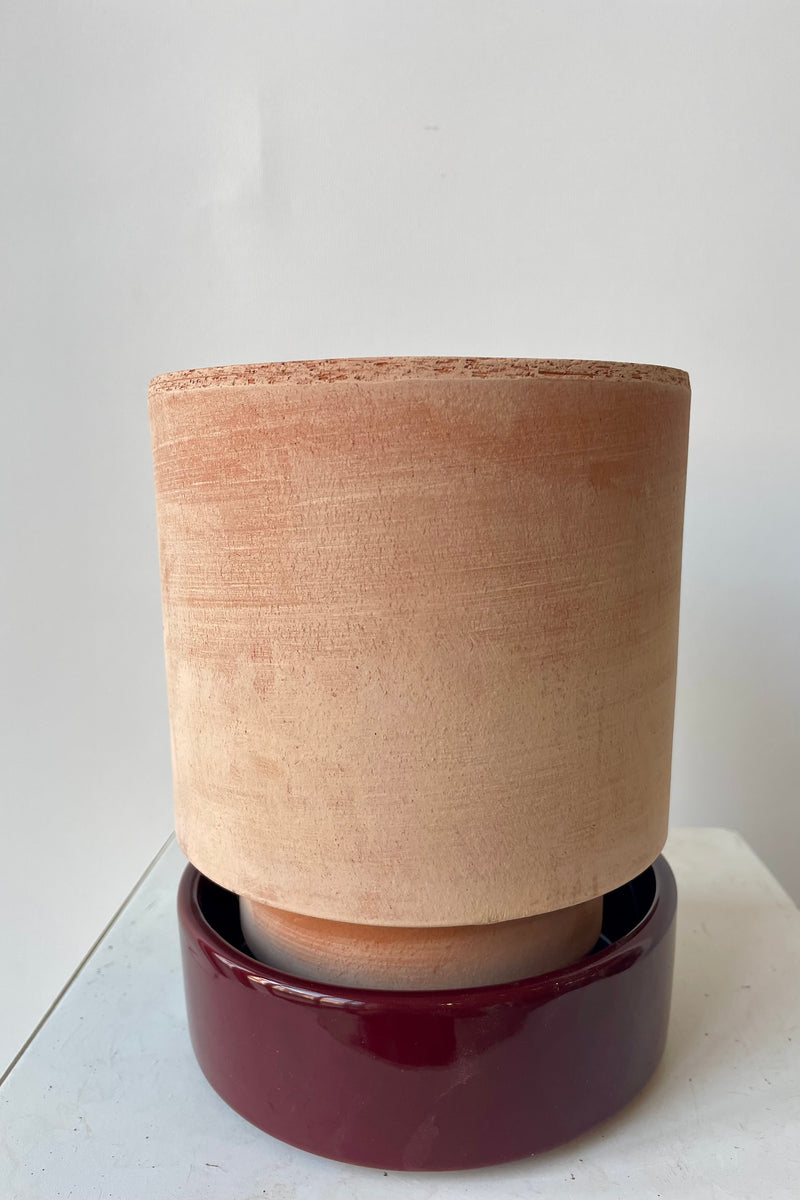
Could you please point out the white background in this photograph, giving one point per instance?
(189, 184)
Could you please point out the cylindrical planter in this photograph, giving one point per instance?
(420, 622)
(431, 1081)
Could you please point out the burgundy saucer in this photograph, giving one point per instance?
(431, 1081)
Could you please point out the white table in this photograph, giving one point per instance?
(108, 1102)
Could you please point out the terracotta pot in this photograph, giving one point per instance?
(421, 624)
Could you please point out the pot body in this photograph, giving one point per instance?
(421, 624)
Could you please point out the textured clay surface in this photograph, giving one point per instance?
(382, 956)
(421, 625)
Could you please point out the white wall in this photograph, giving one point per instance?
(198, 183)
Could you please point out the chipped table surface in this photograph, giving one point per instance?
(107, 1102)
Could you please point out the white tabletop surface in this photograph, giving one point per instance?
(107, 1102)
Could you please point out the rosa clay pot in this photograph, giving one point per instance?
(420, 621)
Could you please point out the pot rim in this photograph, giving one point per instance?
(618, 956)
(302, 372)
